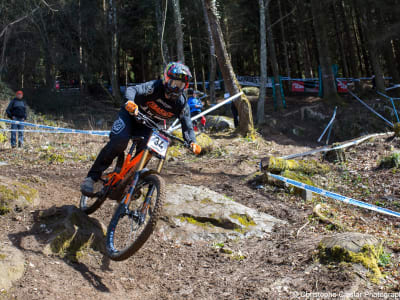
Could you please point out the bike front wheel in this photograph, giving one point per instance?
(133, 223)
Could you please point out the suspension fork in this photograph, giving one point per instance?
(140, 167)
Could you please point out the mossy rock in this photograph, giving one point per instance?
(391, 161)
(12, 265)
(16, 196)
(72, 233)
(277, 165)
(204, 140)
(353, 247)
(251, 91)
(397, 129)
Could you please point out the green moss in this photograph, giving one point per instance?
(278, 165)
(174, 151)
(3, 138)
(368, 257)
(391, 161)
(298, 176)
(243, 219)
(8, 194)
(251, 91)
(67, 245)
(193, 221)
(397, 129)
(203, 140)
(206, 201)
(2, 256)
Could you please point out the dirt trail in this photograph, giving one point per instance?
(274, 268)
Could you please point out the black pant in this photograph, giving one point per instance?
(123, 129)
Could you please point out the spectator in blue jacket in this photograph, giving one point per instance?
(16, 111)
(195, 105)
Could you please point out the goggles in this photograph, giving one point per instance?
(176, 86)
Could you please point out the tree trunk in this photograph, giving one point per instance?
(285, 51)
(193, 66)
(213, 64)
(339, 37)
(321, 33)
(114, 53)
(274, 61)
(263, 65)
(178, 31)
(160, 19)
(369, 29)
(246, 125)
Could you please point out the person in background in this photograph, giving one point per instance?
(195, 106)
(16, 111)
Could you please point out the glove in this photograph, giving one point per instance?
(195, 148)
(132, 108)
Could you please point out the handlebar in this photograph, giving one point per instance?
(153, 125)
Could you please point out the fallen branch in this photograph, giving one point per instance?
(301, 228)
(317, 212)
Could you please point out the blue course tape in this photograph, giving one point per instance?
(329, 125)
(370, 108)
(338, 197)
(59, 129)
(50, 131)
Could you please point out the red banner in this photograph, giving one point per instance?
(298, 86)
(342, 87)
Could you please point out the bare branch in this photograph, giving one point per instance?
(49, 6)
(17, 21)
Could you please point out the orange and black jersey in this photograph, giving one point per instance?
(150, 97)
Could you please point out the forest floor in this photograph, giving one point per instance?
(278, 266)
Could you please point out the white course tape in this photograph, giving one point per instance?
(208, 110)
(50, 131)
(58, 129)
(326, 148)
(335, 196)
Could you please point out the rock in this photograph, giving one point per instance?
(11, 265)
(277, 165)
(71, 232)
(335, 156)
(251, 91)
(391, 161)
(205, 142)
(219, 123)
(353, 247)
(197, 213)
(397, 129)
(16, 196)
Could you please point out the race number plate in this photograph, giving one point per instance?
(158, 144)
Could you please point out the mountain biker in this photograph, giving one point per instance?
(158, 99)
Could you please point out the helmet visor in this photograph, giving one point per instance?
(177, 85)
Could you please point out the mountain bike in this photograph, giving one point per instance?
(140, 192)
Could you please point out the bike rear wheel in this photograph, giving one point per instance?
(132, 224)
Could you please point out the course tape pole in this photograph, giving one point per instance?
(370, 108)
(209, 110)
(61, 129)
(391, 100)
(327, 148)
(335, 196)
(52, 131)
(329, 125)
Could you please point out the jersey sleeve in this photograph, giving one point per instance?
(187, 127)
(137, 93)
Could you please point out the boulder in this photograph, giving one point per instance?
(195, 213)
(353, 247)
(16, 196)
(11, 265)
(71, 232)
(204, 140)
(251, 91)
(397, 129)
(219, 123)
